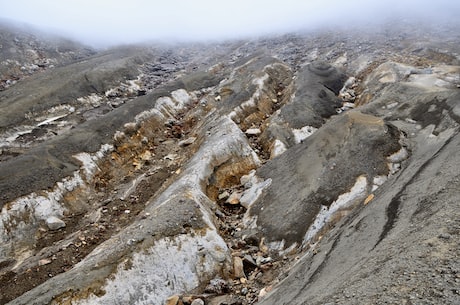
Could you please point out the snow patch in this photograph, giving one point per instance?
(165, 105)
(253, 131)
(131, 87)
(171, 266)
(64, 109)
(260, 81)
(147, 114)
(181, 97)
(357, 192)
(378, 181)
(257, 186)
(226, 142)
(279, 245)
(277, 149)
(9, 136)
(92, 100)
(303, 133)
(168, 107)
(50, 120)
(19, 217)
(394, 160)
(399, 156)
(89, 161)
(252, 102)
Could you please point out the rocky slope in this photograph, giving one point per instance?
(308, 168)
(25, 51)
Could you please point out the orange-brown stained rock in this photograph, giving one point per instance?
(238, 270)
(369, 199)
(173, 300)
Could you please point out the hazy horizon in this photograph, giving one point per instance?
(103, 23)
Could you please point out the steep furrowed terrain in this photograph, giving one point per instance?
(300, 169)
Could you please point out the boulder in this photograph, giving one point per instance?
(54, 223)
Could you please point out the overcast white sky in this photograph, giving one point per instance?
(102, 22)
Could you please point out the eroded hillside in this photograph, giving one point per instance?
(299, 169)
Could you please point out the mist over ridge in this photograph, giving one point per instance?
(104, 23)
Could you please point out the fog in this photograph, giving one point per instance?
(108, 22)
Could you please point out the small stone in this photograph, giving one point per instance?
(253, 131)
(251, 237)
(137, 164)
(130, 127)
(198, 302)
(247, 178)
(248, 258)
(244, 291)
(262, 246)
(119, 137)
(219, 214)
(228, 299)
(223, 195)
(234, 198)
(170, 157)
(238, 270)
(217, 286)
(444, 236)
(369, 199)
(173, 300)
(44, 261)
(260, 260)
(146, 155)
(264, 291)
(348, 105)
(187, 142)
(55, 223)
(265, 260)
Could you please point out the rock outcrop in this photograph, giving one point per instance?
(24, 51)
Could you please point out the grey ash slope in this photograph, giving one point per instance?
(25, 51)
(399, 248)
(300, 169)
(63, 86)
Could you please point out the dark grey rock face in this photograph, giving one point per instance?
(317, 86)
(314, 99)
(318, 170)
(392, 245)
(387, 250)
